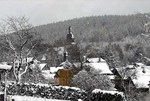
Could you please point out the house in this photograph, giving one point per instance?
(64, 73)
(101, 65)
(60, 75)
(123, 81)
(143, 76)
(134, 79)
(51, 74)
(140, 75)
(64, 77)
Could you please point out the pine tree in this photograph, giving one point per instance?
(111, 56)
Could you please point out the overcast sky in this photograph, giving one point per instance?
(47, 11)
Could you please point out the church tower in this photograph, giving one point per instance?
(70, 36)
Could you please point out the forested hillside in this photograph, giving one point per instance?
(95, 28)
(96, 33)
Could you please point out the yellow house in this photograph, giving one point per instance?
(64, 77)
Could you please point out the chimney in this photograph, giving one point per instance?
(65, 56)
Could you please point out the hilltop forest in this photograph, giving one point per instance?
(95, 35)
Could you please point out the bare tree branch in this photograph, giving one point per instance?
(20, 28)
(30, 50)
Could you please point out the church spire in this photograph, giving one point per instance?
(70, 36)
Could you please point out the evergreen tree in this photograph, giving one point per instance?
(111, 56)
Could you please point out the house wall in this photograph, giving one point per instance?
(56, 80)
(65, 77)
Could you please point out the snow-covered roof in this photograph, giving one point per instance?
(130, 67)
(111, 76)
(66, 64)
(99, 64)
(5, 66)
(51, 72)
(102, 66)
(95, 60)
(43, 57)
(42, 65)
(106, 91)
(139, 73)
(1, 93)
(55, 69)
(140, 64)
(143, 76)
(47, 74)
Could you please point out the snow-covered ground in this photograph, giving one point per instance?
(27, 98)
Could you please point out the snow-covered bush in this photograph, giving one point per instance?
(90, 79)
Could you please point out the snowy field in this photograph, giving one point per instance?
(26, 98)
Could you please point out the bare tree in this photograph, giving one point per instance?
(21, 39)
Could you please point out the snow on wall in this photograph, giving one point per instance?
(67, 87)
(106, 91)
